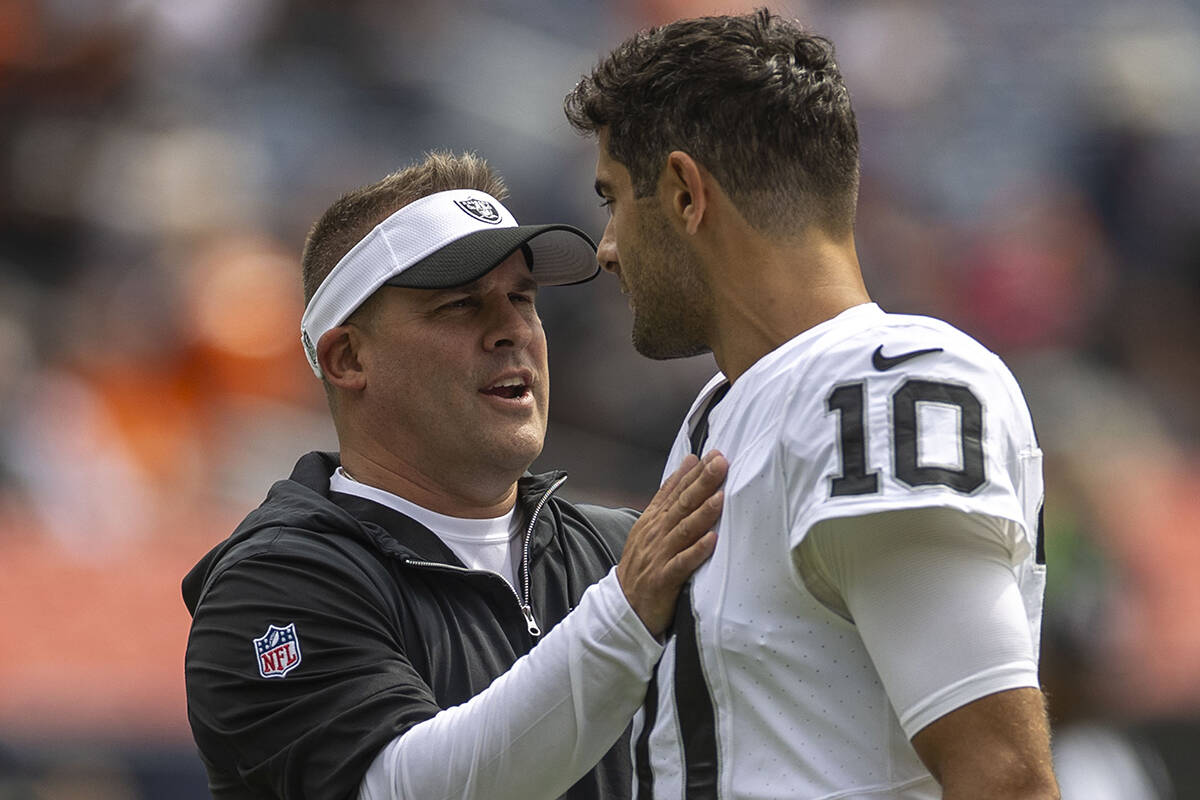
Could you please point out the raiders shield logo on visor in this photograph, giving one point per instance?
(481, 210)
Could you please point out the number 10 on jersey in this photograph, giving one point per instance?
(850, 400)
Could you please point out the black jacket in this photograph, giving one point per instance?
(387, 628)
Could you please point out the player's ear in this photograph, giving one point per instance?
(338, 351)
(687, 190)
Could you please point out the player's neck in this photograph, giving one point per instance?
(774, 292)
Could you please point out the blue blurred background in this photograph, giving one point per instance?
(1031, 173)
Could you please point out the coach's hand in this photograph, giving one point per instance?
(673, 537)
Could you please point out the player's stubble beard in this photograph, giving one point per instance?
(672, 302)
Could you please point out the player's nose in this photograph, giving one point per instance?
(606, 251)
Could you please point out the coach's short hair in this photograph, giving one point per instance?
(755, 99)
(355, 213)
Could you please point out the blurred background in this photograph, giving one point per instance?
(1031, 173)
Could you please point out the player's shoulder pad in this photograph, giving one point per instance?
(908, 345)
(890, 353)
(895, 349)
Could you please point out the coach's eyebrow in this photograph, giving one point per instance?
(527, 284)
(523, 284)
(601, 187)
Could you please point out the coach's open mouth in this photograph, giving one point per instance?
(515, 389)
(510, 387)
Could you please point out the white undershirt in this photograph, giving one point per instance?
(483, 544)
(931, 581)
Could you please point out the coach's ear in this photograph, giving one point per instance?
(687, 190)
(338, 354)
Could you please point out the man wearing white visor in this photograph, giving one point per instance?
(443, 240)
(369, 630)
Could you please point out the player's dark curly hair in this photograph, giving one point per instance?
(755, 99)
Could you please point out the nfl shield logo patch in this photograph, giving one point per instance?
(277, 651)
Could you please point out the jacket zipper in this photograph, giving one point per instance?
(523, 602)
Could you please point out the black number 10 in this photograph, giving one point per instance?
(849, 401)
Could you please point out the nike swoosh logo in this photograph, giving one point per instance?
(883, 363)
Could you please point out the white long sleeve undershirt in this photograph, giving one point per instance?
(540, 726)
(927, 581)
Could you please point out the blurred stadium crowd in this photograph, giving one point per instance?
(1031, 173)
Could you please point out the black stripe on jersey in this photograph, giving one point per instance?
(1040, 552)
(700, 432)
(694, 706)
(641, 748)
(693, 700)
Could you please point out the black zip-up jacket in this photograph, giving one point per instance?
(367, 624)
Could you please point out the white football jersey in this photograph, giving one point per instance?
(763, 692)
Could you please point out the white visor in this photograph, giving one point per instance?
(438, 242)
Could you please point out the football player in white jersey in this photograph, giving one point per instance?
(868, 625)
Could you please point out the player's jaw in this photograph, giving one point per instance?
(668, 295)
